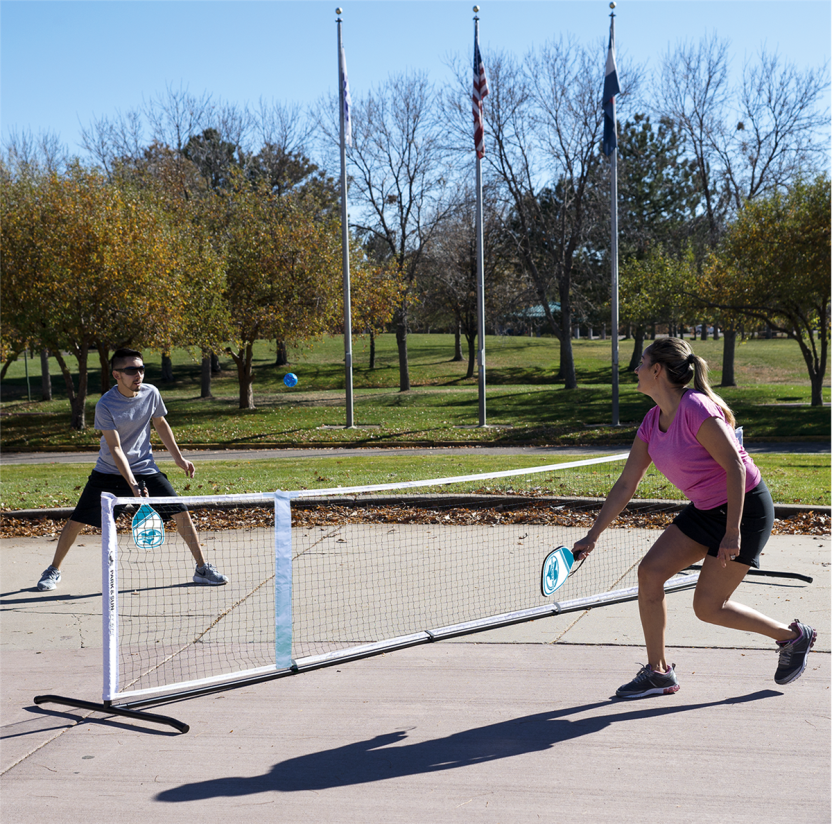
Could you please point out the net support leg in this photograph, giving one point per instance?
(112, 709)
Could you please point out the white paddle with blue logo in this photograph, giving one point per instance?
(148, 527)
(556, 569)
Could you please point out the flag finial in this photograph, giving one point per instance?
(339, 11)
(612, 6)
(476, 9)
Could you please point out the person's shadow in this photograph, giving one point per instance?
(376, 760)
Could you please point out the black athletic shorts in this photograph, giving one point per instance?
(707, 526)
(88, 509)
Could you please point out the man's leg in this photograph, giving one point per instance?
(72, 529)
(188, 532)
(52, 575)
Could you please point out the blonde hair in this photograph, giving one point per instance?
(683, 366)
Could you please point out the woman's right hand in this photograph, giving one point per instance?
(582, 548)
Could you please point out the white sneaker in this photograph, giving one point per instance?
(50, 579)
(209, 575)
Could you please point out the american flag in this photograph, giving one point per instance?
(480, 91)
(611, 89)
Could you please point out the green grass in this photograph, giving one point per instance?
(792, 479)
(524, 404)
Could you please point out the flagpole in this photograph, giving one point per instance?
(614, 235)
(345, 229)
(480, 263)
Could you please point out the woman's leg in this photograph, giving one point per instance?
(712, 604)
(673, 552)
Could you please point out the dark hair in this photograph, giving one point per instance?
(121, 355)
(682, 365)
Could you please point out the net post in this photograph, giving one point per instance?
(283, 580)
(109, 589)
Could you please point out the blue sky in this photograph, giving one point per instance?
(65, 63)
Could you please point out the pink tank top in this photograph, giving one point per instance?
(683, 460)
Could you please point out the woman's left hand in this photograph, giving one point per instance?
(729, 547)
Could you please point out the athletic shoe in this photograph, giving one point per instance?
(209, 575)
(650, 682)
(49, 579)
(793, 654)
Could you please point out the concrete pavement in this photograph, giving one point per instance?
(514, 726)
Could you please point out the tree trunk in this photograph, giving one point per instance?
(704, 334)
(401, 343)
(458, 342)
(167, 368)
(245, 378)
(472, 354)
(104, 361)
(372, 349)
(215, 364)
(205, 382)
(638, 348)
(282, 359)
(77, 400)
(45, 377)
(716, 332)
(567, 359)
(729, 346)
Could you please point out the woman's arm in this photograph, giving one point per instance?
(620, 495)
(721, 443)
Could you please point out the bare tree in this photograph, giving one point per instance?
(448, 278)
(748, 140)
(400, 180)
(543, 127)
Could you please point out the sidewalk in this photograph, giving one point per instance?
(513, 726)
(807, 447)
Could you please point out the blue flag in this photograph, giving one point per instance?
(611, 89)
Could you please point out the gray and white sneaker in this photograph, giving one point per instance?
(793, 654)
(649, 682)
(209, 574)
(50, 579)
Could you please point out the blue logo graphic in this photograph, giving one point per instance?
(290, 379)
(555, 571)
(148, 529)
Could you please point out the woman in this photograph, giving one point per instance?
(689, 436)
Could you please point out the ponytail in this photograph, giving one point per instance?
(682, 366)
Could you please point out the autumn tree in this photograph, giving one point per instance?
(280, 266)
(654, 288)
(773, 265)
(88, 265)
(747, 139)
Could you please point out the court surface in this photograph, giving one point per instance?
(514, 725)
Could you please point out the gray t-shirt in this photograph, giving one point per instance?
(131, 418)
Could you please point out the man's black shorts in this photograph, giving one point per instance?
(88, 509)
(707, 526)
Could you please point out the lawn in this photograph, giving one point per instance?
(792, 478)
(524, 403)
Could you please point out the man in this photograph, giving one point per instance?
(125, 464)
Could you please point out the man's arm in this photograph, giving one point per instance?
(120, 459)
(161, 425)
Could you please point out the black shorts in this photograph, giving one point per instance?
(88, 509)
(707, 526)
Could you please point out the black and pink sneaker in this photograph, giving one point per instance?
(793, 654)
(649, 682)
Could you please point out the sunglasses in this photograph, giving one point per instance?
(132, 370)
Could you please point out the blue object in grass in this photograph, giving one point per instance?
(290, 379)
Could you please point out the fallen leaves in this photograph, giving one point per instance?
(211, 520)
